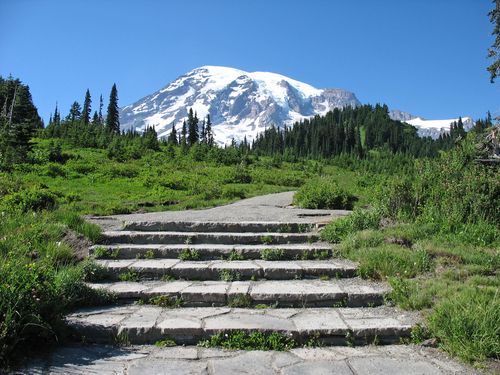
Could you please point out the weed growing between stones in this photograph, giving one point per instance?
(266, 240)
(130, 274)
(240, 300)
(321, 255)
(168, 302)
(119, 339)
(103, 253)
(166, 342)
(284, 229)
(149, 255)
(230, 275)
(272, 254)
(189, 254)
(234, 255)
(239, 340)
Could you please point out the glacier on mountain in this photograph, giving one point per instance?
(240, 104)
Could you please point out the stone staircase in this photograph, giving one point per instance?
(251, 276)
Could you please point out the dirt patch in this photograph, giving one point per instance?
(79, 244)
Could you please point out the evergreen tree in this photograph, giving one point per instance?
(203, 135)
(57, 116)
(173, 136)
(101, 120)
(113, 116)
(208, 132)
(75, 112)
(86, 109)
(193, 134)
(18, 121)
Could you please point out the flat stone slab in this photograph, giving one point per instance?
(243, 269)
(147, 324)
(134, 237)
(282, 293)
(215, 251)
(150, 359)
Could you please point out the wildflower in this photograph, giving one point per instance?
(58, 244)
(38, 299)
(34, 214)
(415, 263)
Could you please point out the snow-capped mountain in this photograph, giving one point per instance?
(429, 128)
(239, 103)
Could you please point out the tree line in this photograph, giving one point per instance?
(342, 134)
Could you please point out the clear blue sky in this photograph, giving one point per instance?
(425, 57)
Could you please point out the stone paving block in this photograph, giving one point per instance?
(388, 366)
(140, 325)
(379, 327)
(318, 367)
(169, 288)
(297, 291)
(245, 268)
(283, 359)
(175, 352)
(322, 321)
(253, 362)
(315, 354)
(207, 293)
(254, 322)
(171, 367)
(158, 266)
(279, 270)
(328, 268)
(363, 295)
(126, 289)
(191, 270)
(198, 313)
(180, 327)
(238, 288)
(95, 326)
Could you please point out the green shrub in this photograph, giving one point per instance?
(34, 199)
(357, 220)
(323, 193)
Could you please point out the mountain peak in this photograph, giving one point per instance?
(239, 103)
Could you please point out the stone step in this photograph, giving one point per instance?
(225, 269)
(283, 293)
(187, 238)
(210, 226)
(216, 251)
(334, 326)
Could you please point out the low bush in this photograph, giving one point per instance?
(33, 199)
(323, 193)
(357, 220)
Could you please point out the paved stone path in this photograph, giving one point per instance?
(302, 292)
(149, 359)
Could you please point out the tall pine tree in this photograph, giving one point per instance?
(87, 110)
(113, 116)
(192, 128)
